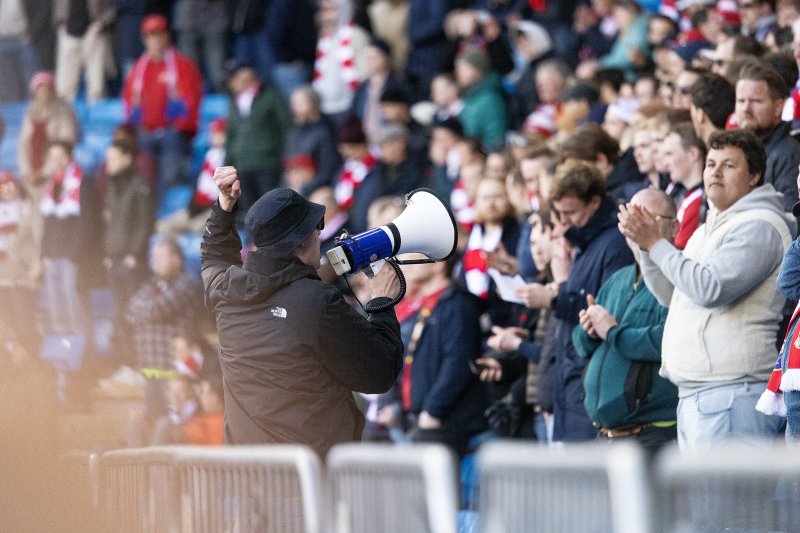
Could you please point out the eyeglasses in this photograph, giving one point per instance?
(321, 224)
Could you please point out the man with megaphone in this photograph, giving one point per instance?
(291, 348)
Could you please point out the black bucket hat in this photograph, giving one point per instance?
(282, 219)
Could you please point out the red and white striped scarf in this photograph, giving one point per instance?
(68, 203)
(476, 264)
(771, 401)
(334, 67)
(791, 109)
(353, 174)
(207, 191)
(462, 206)
(171, 75)
(10, 217)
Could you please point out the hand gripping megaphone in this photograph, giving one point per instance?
(426, 226)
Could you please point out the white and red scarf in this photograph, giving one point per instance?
(462, 206)
(207, 191)
(10, 217)
(335, 75)
(771, 401)
(476, 263)
(791, 108)
(353, 174)
(68, 202)
(171, 72)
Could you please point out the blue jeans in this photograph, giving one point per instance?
(208, 49)
(726, 412)
(289, 76)
(170, 149)
(792, 400)
(64, 307)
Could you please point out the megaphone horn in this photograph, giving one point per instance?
(426, 226)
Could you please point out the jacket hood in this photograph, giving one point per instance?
(602, 219)
(261, 276)
(762, 197)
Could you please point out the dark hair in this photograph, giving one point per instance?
(761, 72)
(785, 65)
(715, 96)
(126, 146)
(613, 76)
(538, 150)
(700, 16)
(748, 143)
(746, 44)
(689, 138)
(587, 142)
(737, 64)
(674, 116)
(579, 179)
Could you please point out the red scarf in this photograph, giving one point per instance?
(171, 73)
(463, 208)
(771, 401)
(476, 263)
(10, 217)
(207, 191)
(62, 196)
(353, 174)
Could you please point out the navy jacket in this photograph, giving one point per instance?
(602, 250)
(441, 380)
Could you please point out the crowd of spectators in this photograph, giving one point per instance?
(631, 166)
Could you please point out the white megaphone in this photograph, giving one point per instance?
(426, 226)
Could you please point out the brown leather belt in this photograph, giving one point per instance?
(627, 431)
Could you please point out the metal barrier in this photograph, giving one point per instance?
(249, 489)
(392, 489)
(138, 490)
(734, 487)
(591, 488)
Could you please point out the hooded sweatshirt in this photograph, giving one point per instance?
(724, 310)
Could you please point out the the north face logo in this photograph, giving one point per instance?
(279, 312)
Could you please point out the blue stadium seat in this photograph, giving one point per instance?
(175, 198)
(213, 106)
(190, 245)
(13, 113)
(8, 153)
(81, 108)
(106, 114)
(88, 158)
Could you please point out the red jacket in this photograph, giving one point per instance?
(155, 93)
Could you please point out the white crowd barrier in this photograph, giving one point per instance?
(392, 489)
(524, 487)
(587, 488)
(733, 487)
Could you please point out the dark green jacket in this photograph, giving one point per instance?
(621, 380)
(484, 113)
(255, 142)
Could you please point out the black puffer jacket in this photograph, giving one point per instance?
(291, 348)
